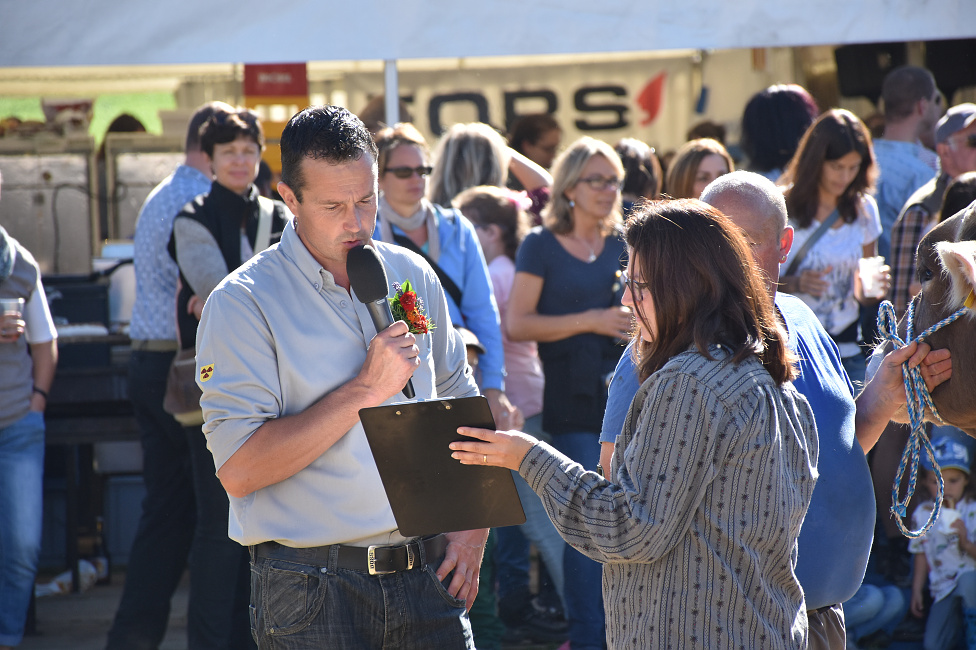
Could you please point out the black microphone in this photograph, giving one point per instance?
(367, 276)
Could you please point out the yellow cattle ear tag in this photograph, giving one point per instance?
(971, 300)
(206, 372)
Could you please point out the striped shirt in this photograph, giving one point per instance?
(712, 477)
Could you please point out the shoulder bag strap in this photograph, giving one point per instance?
(808, 244)
(449, 286)
(265, 214)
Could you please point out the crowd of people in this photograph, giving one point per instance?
(674, 353)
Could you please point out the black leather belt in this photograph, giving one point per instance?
(374, 560)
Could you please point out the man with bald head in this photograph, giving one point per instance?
(836, 536)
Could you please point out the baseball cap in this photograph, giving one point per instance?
(956, 119)
(948, 453)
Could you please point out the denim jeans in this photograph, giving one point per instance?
(871, 608)
(165, 532)
(512, 549)
(21, 505)
(220, 582)
(584, 577)
(300, 606)
(946, 623)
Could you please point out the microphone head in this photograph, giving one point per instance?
(367, 275)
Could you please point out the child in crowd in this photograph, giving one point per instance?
(947, 553)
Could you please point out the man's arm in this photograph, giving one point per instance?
(282, 447)
(45, 359)
(883, 397)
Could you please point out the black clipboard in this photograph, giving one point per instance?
(429, 491)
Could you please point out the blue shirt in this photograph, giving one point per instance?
(576, 368)
(901, 172)
(836, 536)
(462, 260)
(154, 310)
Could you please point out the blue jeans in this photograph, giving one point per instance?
(856, 367)
(946, 625)
(165, 532)
(872, 608)
(512, 549)
(300, 606)
(21, 506)
(584, 577)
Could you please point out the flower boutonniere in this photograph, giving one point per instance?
(407, 306)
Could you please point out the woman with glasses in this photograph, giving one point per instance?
(567, 296)
(828, 184)
(697, 522)
(450, 244)
(696, 164)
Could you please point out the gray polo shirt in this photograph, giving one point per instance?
(280, 335)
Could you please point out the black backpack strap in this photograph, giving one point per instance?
(449, 286)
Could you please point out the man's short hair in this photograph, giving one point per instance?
(202, 115)
(750, 191)
(329, 133)
(903, 87)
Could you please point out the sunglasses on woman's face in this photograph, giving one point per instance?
(407, 172)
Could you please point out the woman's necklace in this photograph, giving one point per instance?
(592, 257)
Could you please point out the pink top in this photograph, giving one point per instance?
(523, 370)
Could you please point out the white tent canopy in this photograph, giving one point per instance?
(108, 32)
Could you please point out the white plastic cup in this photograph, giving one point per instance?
(12, 306)
(869, 268)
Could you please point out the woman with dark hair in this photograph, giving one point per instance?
(566, 296)
(537, 137)
(696, 164)
(773, 122)
(696, 523)
(828, 184)
(213, 235)
(642, 172)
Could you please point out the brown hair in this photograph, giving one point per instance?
(390, 137)
(706, 288)
(486, 205)
(223, 127)
(832, 136)
(684, 166)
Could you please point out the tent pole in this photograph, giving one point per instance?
(391, 91)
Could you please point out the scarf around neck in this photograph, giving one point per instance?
(7, 255)
(387, 216)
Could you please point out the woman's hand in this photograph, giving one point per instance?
(616, 322)
(11, 327)
(812, 282)
(194, 306)
(497, 448)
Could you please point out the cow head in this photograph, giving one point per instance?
(946, 267)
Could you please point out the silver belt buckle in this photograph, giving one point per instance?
(371, 561)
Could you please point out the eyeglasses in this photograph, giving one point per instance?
(407, 172)
(602, 182)
(636, 288)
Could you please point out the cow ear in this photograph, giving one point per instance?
(959, 260)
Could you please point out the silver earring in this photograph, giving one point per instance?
(572, 203)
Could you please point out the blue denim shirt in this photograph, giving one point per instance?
(902, 172)
(464, 262)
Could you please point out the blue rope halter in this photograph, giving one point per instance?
(918, 399)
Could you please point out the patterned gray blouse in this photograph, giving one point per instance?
(712, 476)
